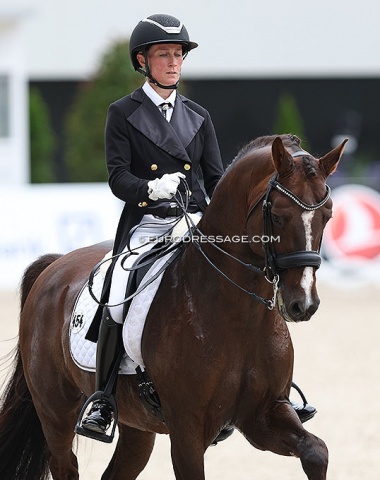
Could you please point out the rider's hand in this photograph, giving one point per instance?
(164, 187)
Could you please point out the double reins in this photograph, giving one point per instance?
(273, 263)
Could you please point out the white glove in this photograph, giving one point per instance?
(164, 187)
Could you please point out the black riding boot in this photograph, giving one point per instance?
(108, 349)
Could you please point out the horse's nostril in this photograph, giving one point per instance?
(297, 309)
(301, 311)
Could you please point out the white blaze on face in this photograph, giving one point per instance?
(307, 276)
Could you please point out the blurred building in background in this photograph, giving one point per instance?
(324, 54)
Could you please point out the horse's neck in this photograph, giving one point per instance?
(237, 193)
(224, 242)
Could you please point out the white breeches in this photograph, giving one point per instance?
(141, 241)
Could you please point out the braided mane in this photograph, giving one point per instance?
(287, 139)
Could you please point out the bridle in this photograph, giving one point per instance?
(273, 263)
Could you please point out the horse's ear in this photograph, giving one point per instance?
(328, 163)
(283, 161)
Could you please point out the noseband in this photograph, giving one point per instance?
(273, 262)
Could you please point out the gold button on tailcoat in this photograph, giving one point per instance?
(187, 166)
(153, 166)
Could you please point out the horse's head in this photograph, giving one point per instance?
(296, 208)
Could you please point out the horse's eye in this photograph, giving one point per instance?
(277, 220)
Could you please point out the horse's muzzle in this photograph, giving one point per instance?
(298, 309)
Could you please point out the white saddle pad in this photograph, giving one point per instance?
(138, 311)
(83, 351)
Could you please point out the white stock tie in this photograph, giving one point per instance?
(164, 107)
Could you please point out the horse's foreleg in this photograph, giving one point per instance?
(280, 431)
(314, 457)
(187, 453)
(131, 455)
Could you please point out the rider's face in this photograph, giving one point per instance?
(165, 62)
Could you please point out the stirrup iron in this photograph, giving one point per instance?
(102, 437)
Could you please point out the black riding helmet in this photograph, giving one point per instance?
(155, 29)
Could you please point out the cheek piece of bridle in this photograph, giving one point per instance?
(275, 263)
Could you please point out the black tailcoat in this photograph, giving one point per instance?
(142, 145)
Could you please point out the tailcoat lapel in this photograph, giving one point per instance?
(185, 121)
(172, 137)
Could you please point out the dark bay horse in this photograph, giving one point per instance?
(215, 344)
